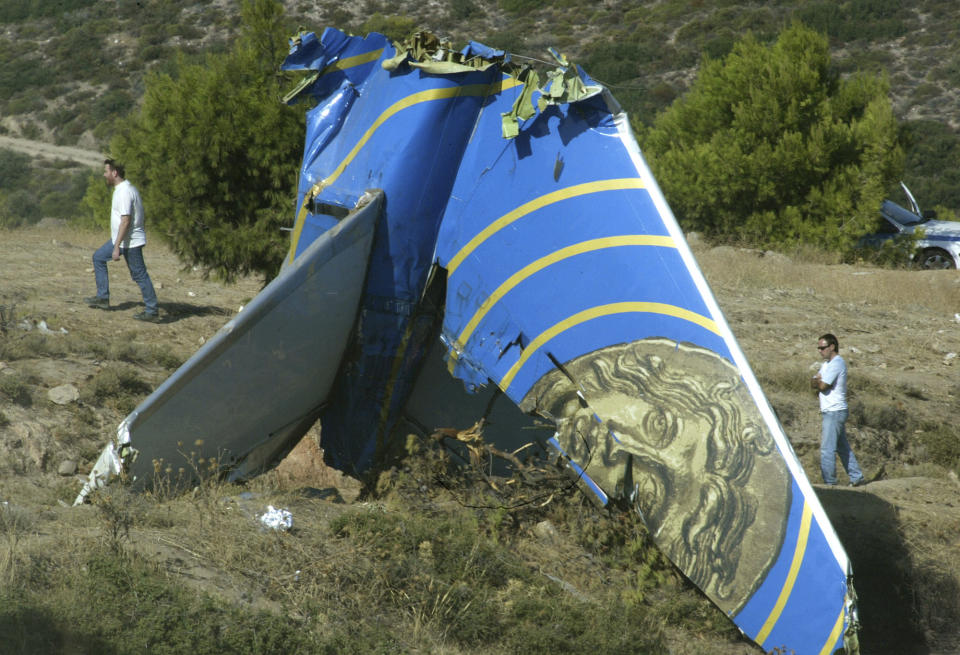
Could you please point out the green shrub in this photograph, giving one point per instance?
(16, 388)
(25, 104)
(139, 353)
(115, 386)
(64, 194)
(136, 610)
(864, 20)
(894, 253)
(880, 415)
(933, 159)
(14, 12)
(14, 170)
(617, 59)
(465, 9)
(478, 594)
(941, 444)
(520, 6)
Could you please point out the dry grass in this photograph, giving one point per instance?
(413, 572)
(819, 274)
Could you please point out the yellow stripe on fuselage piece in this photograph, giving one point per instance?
(539, 203)
(404, 103)
(544, 262)
(788, 584)
(350, 62)
(597, 312)
(834, 635)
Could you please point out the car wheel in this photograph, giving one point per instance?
(934, 258)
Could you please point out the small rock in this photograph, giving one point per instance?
(67, 467)
(948, 359)
(64, 394)
(545, 531)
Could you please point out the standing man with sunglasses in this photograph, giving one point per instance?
(831, 384)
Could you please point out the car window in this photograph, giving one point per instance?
(892, 210)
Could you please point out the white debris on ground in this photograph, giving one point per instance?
(28, 324)
(277, 519)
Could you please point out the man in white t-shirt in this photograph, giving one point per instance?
(127, 238)
(831, 385)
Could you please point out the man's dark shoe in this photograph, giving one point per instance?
(97, 302)
(149, 317)
(859, 483)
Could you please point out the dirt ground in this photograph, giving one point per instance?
(902, 531)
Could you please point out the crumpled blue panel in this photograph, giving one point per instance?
(335, 56)
(475, 49)
(402, 132)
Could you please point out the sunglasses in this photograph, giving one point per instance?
(823, 347)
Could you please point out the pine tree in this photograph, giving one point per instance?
(772, 147)
(216, 154)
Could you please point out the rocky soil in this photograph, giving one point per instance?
(897, 328)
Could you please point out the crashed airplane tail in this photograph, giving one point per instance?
(564, 282)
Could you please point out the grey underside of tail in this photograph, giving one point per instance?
(258, 385)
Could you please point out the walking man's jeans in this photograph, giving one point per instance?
(833, 443)
(138, 271)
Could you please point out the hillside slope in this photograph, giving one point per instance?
(95, 55)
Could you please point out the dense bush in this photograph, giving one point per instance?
(771, 147)
(615, 60)
(15, 12)
(933, 161)
(30, 191)
(857, 19)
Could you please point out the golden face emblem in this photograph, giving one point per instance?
(672, 429)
